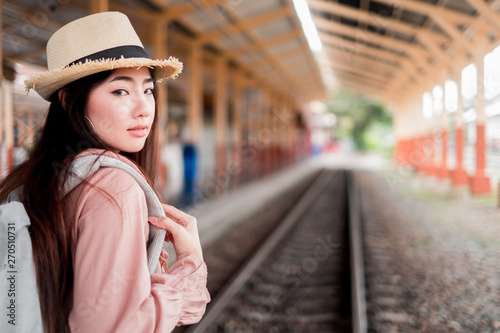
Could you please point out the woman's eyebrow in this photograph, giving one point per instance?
(128, 78)
(121, 78)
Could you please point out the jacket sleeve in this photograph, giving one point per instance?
(113, 291)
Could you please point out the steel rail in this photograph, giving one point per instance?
(358, 290)
(227, 293)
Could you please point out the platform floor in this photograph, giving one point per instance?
(446, 241)
(218, 215)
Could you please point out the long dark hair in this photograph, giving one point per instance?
(64, 134)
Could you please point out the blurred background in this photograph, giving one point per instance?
(275, 92)
(267, 84)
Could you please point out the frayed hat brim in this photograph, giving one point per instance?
(47, 83)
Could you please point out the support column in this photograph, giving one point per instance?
(265, 132)
(421, 149)
(273, 128)
(479, 182)
(251, 125)
(236, 163)
(289, 136)
(194, 117)
(277, 109)
(30, 133)
(2, 109)
(435, 129)
(221, 97)
(159, 34)
(417, 157)
(8, 105)
(259, 125)
(443, 170)
(459, 176)
(430, 156)
(427, 142)
(281, 129)
(160, 52)
(195, 112)
(420, 153)
(292, 143)
(274, 135)
(99, 6)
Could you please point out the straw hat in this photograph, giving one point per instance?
(93, 44)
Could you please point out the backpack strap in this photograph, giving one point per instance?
(83, 167)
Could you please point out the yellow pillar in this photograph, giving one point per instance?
(195, 112)
(291, 138)
(8, 105)
(159, 41)
(275, 128)
(235, 166)
(259, 124)
(160, 52)
(1, 94)
(459, 175)
(265, 133)
(221, 97)
(99, 6)
(30, 133)
(250, 123)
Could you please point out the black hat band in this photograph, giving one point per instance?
(128, 51)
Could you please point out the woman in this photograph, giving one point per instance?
(89, 246)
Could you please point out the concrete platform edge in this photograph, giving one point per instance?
(217, 216)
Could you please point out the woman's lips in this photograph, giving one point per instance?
(138, 131)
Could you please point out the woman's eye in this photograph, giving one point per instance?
(149, 91)
(120, 92)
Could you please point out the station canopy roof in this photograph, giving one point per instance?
(371, 47)
(389, 48)
(262, 38)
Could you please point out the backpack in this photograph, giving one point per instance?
(18, 291)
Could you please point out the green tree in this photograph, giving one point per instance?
(363, 119)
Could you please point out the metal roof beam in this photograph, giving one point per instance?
(430, 10)
(451, 29)
(335, 54)
(338, 9)
(407, 64)
(362, 73)
(361, 87)
(485, 10)
(242, 25)
(275, 40)
(416, 53)
(422, 34)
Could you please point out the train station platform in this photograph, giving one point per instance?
(440, 261)
(222, 213)
(218, 215)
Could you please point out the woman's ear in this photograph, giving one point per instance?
(62, 97)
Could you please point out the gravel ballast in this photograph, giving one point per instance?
(446, 247)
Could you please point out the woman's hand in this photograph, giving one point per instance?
(182, 230)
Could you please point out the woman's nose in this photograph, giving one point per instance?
(143, 105)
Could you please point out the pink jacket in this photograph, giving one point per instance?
(113, 291)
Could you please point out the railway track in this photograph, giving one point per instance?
(386, 294)
(300, 279)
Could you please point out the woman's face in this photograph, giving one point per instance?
(122, 109)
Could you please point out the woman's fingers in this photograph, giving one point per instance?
(182, 239)
(182, 228)
(179, 216)
(160, 223)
